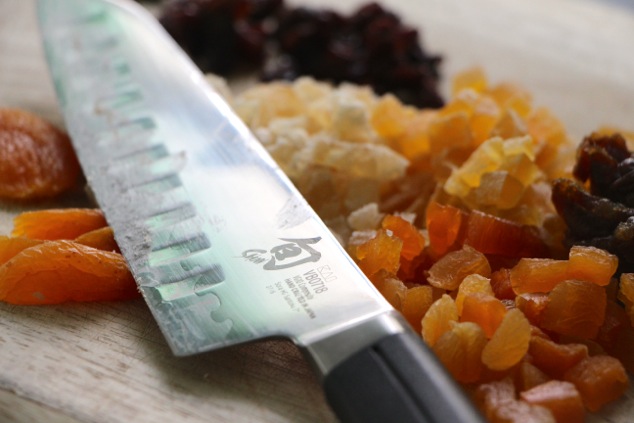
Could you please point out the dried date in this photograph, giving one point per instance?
(603, 216)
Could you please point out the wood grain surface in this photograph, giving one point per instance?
(108, 363)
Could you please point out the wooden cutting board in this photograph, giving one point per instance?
(109, 363)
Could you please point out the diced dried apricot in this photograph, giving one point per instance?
(528, 376)
(485, 310)
(57, 223)
(459, 349)
(600, 379)
(33, 276)
(470, 285)
(532, 305)
(438, 319)
(575, 308)
(445, 227)
(537, 274)
(501, 284)
(414, 304)
(11, 246)
(560, 397)
(36, 159)
(615, 322)
(626, 293)
(591, 264)
(498, 402)
(553, 358)
(413, 240)
(392, 290)
(492, 235)
(448, 272)
(383, 252)
(101, 239)
(509, 343)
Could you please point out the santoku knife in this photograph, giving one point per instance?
(222, 246)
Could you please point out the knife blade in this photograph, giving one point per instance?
(223, 247)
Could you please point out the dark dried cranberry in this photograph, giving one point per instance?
(370, 47)
(221, 36)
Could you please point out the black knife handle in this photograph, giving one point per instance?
(397, 379)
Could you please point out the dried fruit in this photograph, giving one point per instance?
(448, 272)
(561, 398)
(36, 159)
(102, 239)
(439, 319)
(33, 276)
(509, 342)
(371, 46)
(555, 359)
(54, 224)
(460, 348)
(575, 308)
(604, 216)
(600, 379)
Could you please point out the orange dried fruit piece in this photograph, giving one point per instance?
(555, 359)
(11, 246)
(509, 344)
(438, 319)
(415, 302)
(537, 274)
(382, 252)
(55, 224)
(528, 376)
(591, 264)
(513, 97)
(626, 293)
(600, 379)
(490, 234)
(532, 305)
(445, 227)
(101, 239)
(498, 403)
(473, 78)
(459, 349)
(36, 159)
(575, 308)
(454, 127)
(448, 272)
(485, 310)
(501, 284)
(413, 240)
(470, 285)
(392, 290)
(34, 275)
(560, 397)
(389, 116)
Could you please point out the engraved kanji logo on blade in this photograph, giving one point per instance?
(293, 252)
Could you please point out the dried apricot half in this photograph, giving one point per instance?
(57, 223)
(61, 271)
(36, 158)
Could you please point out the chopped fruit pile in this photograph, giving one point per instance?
(56, 256)
(36, 159)
(371, 46)
(451, 214)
